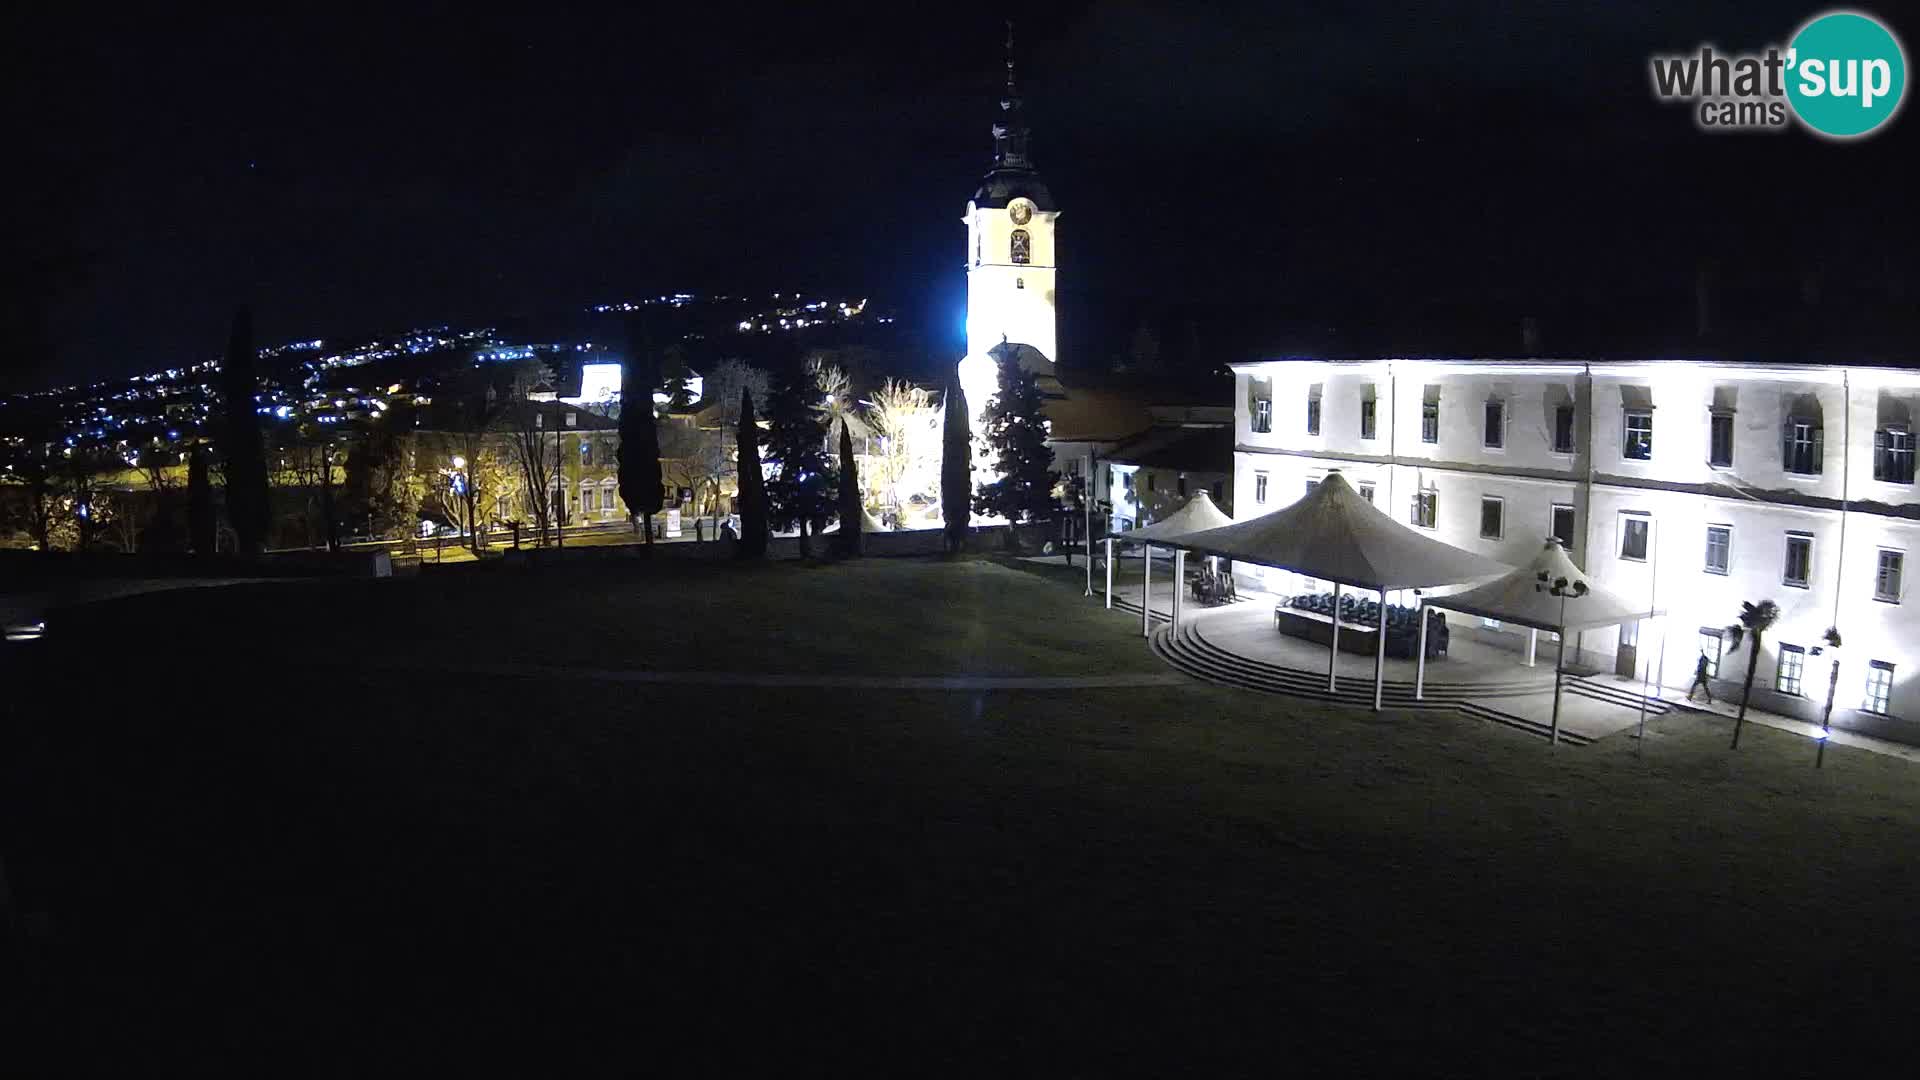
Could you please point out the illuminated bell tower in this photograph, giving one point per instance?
(1010, 257)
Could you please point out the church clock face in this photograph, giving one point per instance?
(1021, 211)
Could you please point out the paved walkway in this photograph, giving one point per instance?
(1838, 737)
(777, 681)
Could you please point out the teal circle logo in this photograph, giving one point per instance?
(1846, 74)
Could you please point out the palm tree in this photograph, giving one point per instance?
(1754, 621)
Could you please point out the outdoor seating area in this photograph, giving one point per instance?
(1360, 617)
(1211, 587)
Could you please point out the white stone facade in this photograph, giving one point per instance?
(1791, 484)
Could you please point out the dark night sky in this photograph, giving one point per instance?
(1323, 163)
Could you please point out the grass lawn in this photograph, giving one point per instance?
(370, 865)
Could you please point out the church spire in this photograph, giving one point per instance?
(1010, 131)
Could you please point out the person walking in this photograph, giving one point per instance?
(1700, 680)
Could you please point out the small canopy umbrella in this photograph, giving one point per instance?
(1333, 534)
(1195, 515)
(1537, 596)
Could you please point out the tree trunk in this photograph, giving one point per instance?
(647, 530)
(1746, 691)
(806, 549)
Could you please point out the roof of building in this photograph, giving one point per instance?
(1186, 449)
(1098, 416)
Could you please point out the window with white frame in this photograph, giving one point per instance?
(1260, 487)
(1562, 525)
(1635, 533)
(1786, 673)
(1426, 507)
(1719, 548)
(1638, 444)
(589, 500)
(1893, 455)
(1801, 449)
(1312, 482)
(1430, 417)
(1879, 687)
(1493, 434)
(1493, 512)
(586, 451)
(1887, 575)
(1366, 490)
(607, 490)
(1563, 429)
(1367, 418)
(1313, 411)
(1263, 415)
(1799, 566)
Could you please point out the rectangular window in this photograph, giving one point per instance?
(1786, 674)
(1799, 567)
(1263, 415)
(1492, 517)
(1311, 484)
(1893, 455)
(586, 452)
(1260, 488)
(1494, 432)
(1563, 526)
(1313, 416)
(1366, 490)
(1886, 580)
(1712, 643)
(587, 499)
(1801, 449)
(1719, 547)
(1634, 531)
(1563, 429)
(1181, 481)
(1879, 687)
(1367, 418)
(1430, 422)
(1426, 508)
(1639, 435)
(1720, 442)
(573, 419)
(1218, 491)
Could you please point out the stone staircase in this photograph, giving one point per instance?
(1188, 651)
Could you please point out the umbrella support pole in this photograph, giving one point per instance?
(1533, 646)
(1146, 591)
(1380, 655)
(1420, 654)
(1179, 584)
(1109, 573)
(1333, 654)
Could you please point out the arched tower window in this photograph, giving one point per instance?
(1022, 246)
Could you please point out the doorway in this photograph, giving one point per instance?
(1626, 659)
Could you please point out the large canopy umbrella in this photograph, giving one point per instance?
(1334, 534)
(1537, 596)
(1195, 515)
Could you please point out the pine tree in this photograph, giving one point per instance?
(852, 517)
(753, 486)
(801, 495)
(956, 468)
(1016, 431)
(246, 473)
(639, 453)
(200, 526)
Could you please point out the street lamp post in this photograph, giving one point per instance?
(1832, 638)
(1563, 589)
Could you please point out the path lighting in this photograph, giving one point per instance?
(1563, 589)
(1832, 639)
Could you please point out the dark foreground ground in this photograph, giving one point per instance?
(300, 830)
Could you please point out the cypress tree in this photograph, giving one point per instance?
(801, 494)
(200, 527)
(956, 468)
(247, 503)
(852, 519)
(1016, 431)
(753, 486)
(639, 454)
